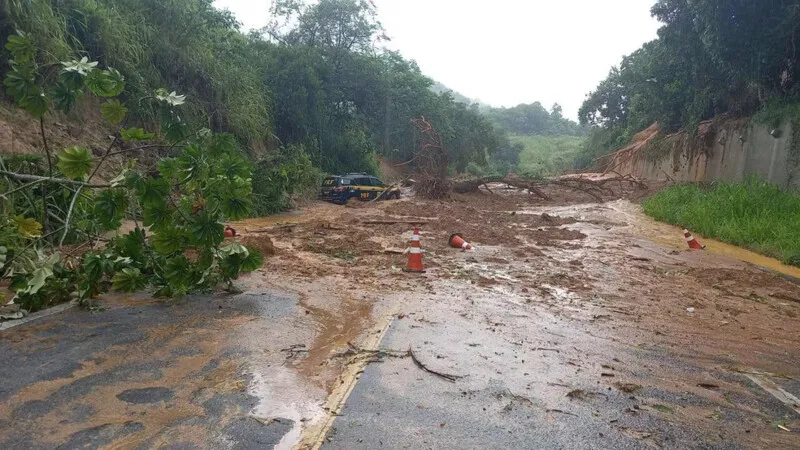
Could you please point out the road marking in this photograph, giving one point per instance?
(776, 391)
(313, 437)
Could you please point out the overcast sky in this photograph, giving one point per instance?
(506, 52)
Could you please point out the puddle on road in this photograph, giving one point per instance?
(278, 392)
(293, 362)
(334, 330)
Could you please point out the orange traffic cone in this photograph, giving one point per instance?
(692, 241)
(456, 241)
(415, 254)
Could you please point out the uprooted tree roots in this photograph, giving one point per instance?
(433, 188)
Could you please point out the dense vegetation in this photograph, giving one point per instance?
(754, 215)
(543, 156)
(711, 57)
(177, 205)
(318, 90)
(314, 93)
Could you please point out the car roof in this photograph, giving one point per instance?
(353, 175)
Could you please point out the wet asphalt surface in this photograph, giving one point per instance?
(526, 364)
(52, 366)
(530, 379)
(524, 378)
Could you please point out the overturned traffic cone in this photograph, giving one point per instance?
(692, 241)
(415, 254)
(229, 231)
(457, 241)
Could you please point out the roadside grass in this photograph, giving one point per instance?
(755, 215)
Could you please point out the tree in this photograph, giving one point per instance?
(183, 202)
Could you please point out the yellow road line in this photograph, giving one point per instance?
(314, 436)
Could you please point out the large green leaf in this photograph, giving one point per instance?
(157, 215)
(232, 166)
(178, 271)
(129, 280)
(236, 208)
(131, 245)
(153, 191)
(135, 134)
(17, 85)
(95, 265)
(253, 261)
(109, 208)
(71, 80)
(105, 83)
(38, 280)
(206, 230)
(35, 103)
(234, 248)
(236, 258)
(64, 97)
(133, 180)
(175, 132)
(113, 111)
(75, 162)
(21, 47)
(168, 241)
(222, 144)
(168, 168)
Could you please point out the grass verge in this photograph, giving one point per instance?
(755, 215)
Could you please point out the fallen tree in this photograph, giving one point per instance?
(595, 188)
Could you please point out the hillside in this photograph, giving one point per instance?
(294, 102)
(547, 155)
(440, 88)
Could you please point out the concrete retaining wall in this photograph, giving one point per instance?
(729, 150)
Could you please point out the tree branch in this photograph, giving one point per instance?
(24, 186)
(27, 247)
(46, 148)
(69, 216)
(144, 147)
(103, 159)
(27, 177)
(45, 221)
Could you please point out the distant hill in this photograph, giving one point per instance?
(535, 120)
(439, 88)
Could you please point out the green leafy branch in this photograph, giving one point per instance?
(183, 204)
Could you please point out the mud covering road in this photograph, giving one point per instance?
(573, 325)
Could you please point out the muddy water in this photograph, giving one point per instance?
(633, 219)
(294, 363)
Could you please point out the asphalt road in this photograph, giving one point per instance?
(530, 379)
(588, 335)
(138, 374)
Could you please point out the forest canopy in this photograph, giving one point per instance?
(711, 57)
